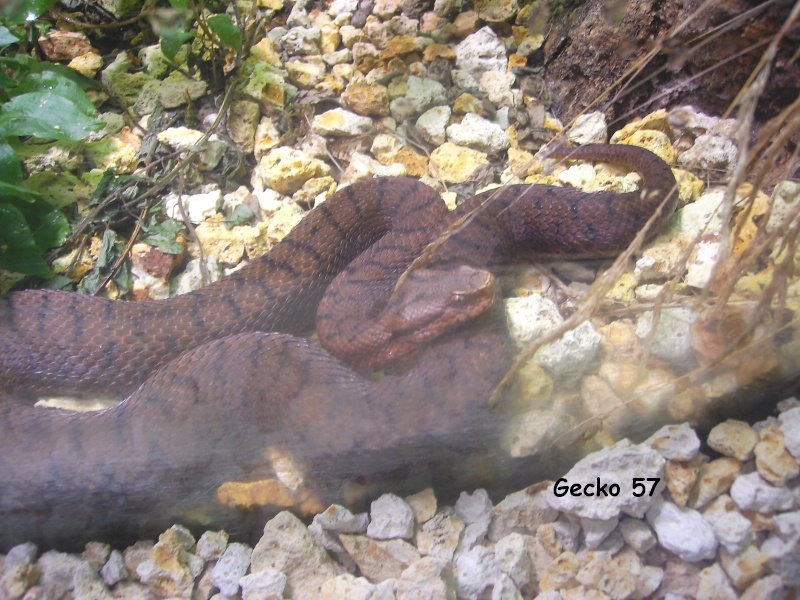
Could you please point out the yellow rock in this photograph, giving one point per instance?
(657, 142)
(457, 164)
(655, 121)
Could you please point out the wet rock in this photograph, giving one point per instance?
(390, 517)
(682, 531)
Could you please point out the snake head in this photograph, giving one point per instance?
(431, 302)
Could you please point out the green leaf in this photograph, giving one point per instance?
(172, 38)
(10, 165)
(56, 84)
(164, 236)
(228, 33)
(178, 3)
(6, 37)
(17, 12)
(47, 116)
(18, 249)
(48, 225)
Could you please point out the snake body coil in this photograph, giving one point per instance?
(212, 390)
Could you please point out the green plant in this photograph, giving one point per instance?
(42, 100)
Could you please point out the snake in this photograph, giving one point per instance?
(411, 340)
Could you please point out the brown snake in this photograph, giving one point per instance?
(235, 388)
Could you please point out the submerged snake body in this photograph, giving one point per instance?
(236, 390)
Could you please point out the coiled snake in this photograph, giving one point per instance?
(211, 390)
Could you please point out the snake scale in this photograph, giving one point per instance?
(217, 380)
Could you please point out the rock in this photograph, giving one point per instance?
(114, 570)
(572, 354)
(675, 442)
(751, 492)
(745, 567)
(497, 87)
(264, 584)
(286, 170)
(423, 504)
(714, 478)
(616, 465)
(637, 535)
(481, 51)
(767, 588)
(473, 535)
(595, 531)
(288, 547)
(422, 94)
(21, 554)
(432, 123)
(197, 207)
(177, 90)
(733, 438)
(18, 578)
(367, 99)
(521, 512)
(714, 585)
(711, 152)
(511, 556)
(476, 132)
(302, 40)
(306, 73)
(231, 567)
(170, 570)
(428, 578)
(731, 529)
(496, 11)
(790, 427)
(339, 519)
(379, 560)
(531, 317)
(341, 122)
(456, 164)
(475, 571)
(589, 128)
(391, 517)
(773, 462)
(346, 586)
(440, 535)
(682, 531)
(185, 140)
(672, 340)
(473, 507)
(561, 573)
(212, 544)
